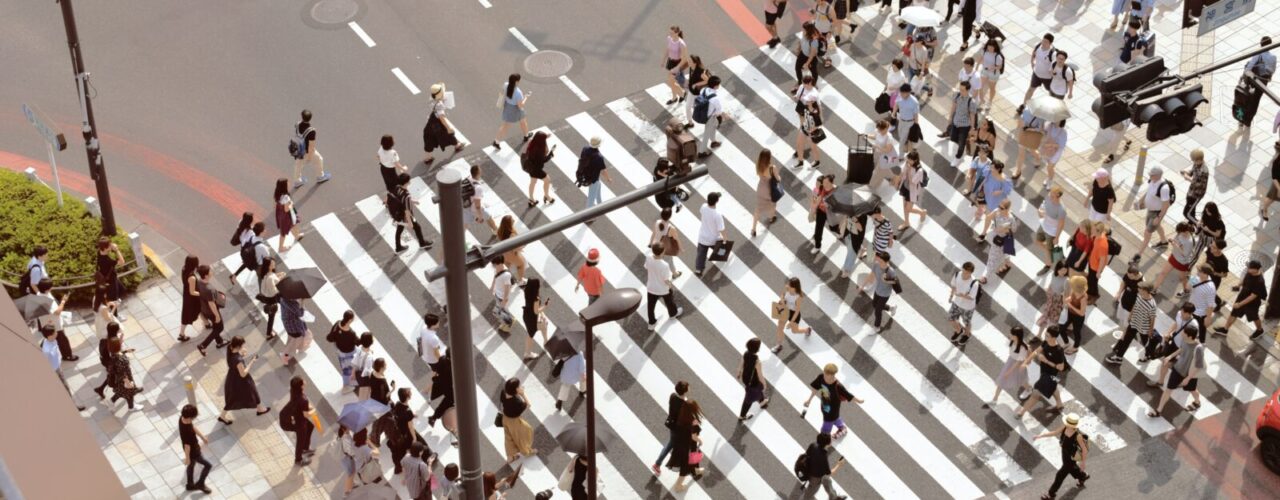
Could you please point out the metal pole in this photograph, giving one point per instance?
(191, 390)
(97, 167)
(453, 239)
(1180, 79)
(591, 413)
(1273, 297)
(57, 184)
(1142, 165)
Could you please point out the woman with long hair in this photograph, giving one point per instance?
(1054, 291)
(685, 439)
(239, 391)
(789, 301)
(818, 209)
(518, 433)
(675, 59)
(767, 175)
(807, 56)
(699, 75)
(299, 409)
(514, 258)
(512, 102)
(190, 297)
(535, 316)
(268, 293)
(1013, 376)
(1077, 304)
(241, 236)
(810, 120)
(910, 186)
(663, 229)
(534, 161)
(1081, 243)
(992, 68)
(286, 214)
(1002, 245)
(120, 375)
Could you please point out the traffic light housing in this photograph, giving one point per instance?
(1111, 107)
(1168, 114)
(1247, 98)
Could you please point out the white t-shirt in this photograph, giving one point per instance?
(712, 225)
(895, 80)
(388, 157)
(1043, 66)
(502, 283)
(807, 95)
(657, 274)
(965, 286)
(975, 82)
(1062, 76)
(429, 341)
(1156, 195)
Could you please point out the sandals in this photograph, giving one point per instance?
(548, 200)
(1152, 414)
(1193, 406)
(1056, 410)
(264, 412)
(777, 349)
(533, 202)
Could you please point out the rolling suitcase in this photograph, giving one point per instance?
(861, 161)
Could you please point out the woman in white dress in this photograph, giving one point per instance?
(910, 186)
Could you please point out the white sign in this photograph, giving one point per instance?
(49, 132)
(1217, 15)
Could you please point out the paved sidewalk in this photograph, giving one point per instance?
(252, 459)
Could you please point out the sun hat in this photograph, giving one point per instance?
(593, 255)
(1100, 173)
(595, 142)
(1071, 420)
(437, 89)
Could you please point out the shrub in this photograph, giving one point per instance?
(30, 216)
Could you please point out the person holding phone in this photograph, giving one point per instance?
(535, 316)
(239, 390)
(819, 467)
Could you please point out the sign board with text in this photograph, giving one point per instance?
(1217, 14)
(44, 127)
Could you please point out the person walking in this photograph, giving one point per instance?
(534, 316)
(664, 234)
(885, 149)
(1031, 131)
(1102, 196)
(501, 288)
(1182, 256)
(818, 209)
(291, 313)
(711, 231)
(512, 100)
(1156, 200)
(995, 190)
(305, 137)
(964, 114)
(1128, 293)
(752, 377)
(430, 347)
(699, 77)
(442, 388)
(590, 278)
(403, 435)
(211, 302)
(907, 109)
(592, 171)
(911, 186)
(807, 52)
(299, 412)
(823, 19)
(766, 204)
(1099, 257)
(1003, 244)
(190, 297)
(400, 207)
(773, 10)
(964, 299)
(239, 391)
(533, 160)
(853, 231)
(1140, 324)
(109, 258)
(1198, 177)
(686, 455)
(344, 338)
(787, 311)
(104, 358)
(976, 177)
(417, 471)
(1053, 361)
(675, 60)
(1077, 305)
(286, 214)
(191, 439)
(1272, 192)
(1054, 293)
(1043, 57)
(1186, 363)
(389, 163)
(883, 237)
(714, 115)
(1075, 451)
(1203, 296)
(481, 191)
(573, 375)
(1252, 292)
(675, 403)
(1013, 375)
(894, 80)
(1063, 83)
(439, 131)
(831, 394)
(106, 314)
(49, 347)
(884, 278)
(36, 271)
(1052, 145)
(269, 292)
(992, 69)
(1081, 242)
(818, 469)
(365, 459)
(379, 387)
(518, 435)
(658, 285)
(515, 257)
(1053, 218)
(810, 119)
(120, 374)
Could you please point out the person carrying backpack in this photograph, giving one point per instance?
(1075, 451)
(885, 280)
(253, 250)
(818, 470)
(302, 147)
(35, 271)
(400, 207)
(708, 111)
(591, 171)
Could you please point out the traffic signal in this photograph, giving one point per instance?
(1170, 113)
(1111, 107)
(1247, 98)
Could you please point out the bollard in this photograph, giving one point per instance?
(31, 174)
(191, 390)
(1142, 164)
(91, 204)
(135, 242)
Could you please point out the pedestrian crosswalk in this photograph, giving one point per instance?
(922, 431)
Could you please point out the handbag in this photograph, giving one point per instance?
(1056, 254)
(695, 457)
(497, 420)
(1030, 138)
(882, 103)
(778, 310)
(998, 240)
(775, 190)
(566, 478)
(219, 298)
(720, 252)
(818, 135)
(671, 245)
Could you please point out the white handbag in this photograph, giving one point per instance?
(566, 477)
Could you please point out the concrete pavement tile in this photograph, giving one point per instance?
(114, 458)
(165, 459)
(157, 486)
(145, 470)
(127, 477)
(257, 488)
(151, 441)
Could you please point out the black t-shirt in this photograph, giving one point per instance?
(1252, 285)
(749, 376)
(832, 395)
(513, 406)
(346, 341)
(107, 265)
(1055, 355)
(311, 136)
(1070, 445)
(674, 403)
(595, 164)
(1215, 225)
(816, 461)
(379, 390)
(1219, 264)
(1275, 168)
(402, 414)
(1102, 197)
(187, 435)
(1130, 293)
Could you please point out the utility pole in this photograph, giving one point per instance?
(97, 167)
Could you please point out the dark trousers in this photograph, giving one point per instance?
(302, 440)
(667, 299)
(397, 453)
(819, 224)
(666, 449)
(1155, 347)
(197, 458)
(271, 306)
(64, 345)
(1189, 210)
(214, 334)
(127, 399)
(960, 136)
(754, 394)
(444, 406)
(1123, 344)
(1092, 279)
(1074, 325)
(967, 19)
(417, 231)
(800, 67)
(879, 304)
(1200, 323)
(700, 261)
(1068, 468)
(239, 269)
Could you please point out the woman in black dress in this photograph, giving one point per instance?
(120, 375)
(685, 440)
(438, 133)
(299, 409)
(239, 391)
(578, 489)
(534, 321)
(379, 389)
(442, 387)
(534, 161)
(190, 297)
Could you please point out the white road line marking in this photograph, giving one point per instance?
(486, 4)
(413, 89)
(523, 41)
(574, 88)
(360, 33)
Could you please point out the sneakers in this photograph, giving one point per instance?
(302, 181)
(653, 326)
(324, 177)
(1111, 358)
(1256, 334)
(199, 487)
(1219, 331)
(1024, 394)
(679, 312)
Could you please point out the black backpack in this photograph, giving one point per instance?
(802, 468)
(584, 165)
(395, 205)
(1173, 192)
(249, 255)
(288, 422)
(24, 283)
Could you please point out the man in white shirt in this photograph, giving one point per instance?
(501, 288)
(964, 298)
(1063, 82)
(711, 232)
(479, 214)
(49, 347)
(429, 346)
(658, 285)
(1204, 295)
(1042, 58)
(970, 73)
(714, 111)
(1156, 202)
(54, 319)
(1263, 65)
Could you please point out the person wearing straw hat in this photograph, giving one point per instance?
(1075, 451)
(439, 131)
(591, 171)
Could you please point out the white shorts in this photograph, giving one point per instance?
(1097, 217)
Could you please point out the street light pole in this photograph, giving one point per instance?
(591, 411)
(97, 167)
(453, 239)
(612, 306)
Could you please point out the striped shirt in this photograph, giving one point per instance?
(1203, 296)
(884, 233)
(1143, 316)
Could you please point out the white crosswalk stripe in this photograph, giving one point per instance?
(963, 453)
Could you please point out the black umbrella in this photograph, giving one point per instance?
(301, 283)
(34, 306)
(851, 200)
(567, 341)
(573, 439)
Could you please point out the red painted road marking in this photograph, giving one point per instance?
(746, 19)
(1223, 449)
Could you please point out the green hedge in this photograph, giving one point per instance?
(30, 216)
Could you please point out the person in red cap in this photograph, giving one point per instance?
(590, 277)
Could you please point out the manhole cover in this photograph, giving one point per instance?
(1242, 258)
(548, 64)
(334, 11)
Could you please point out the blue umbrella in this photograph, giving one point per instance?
(360, 414)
